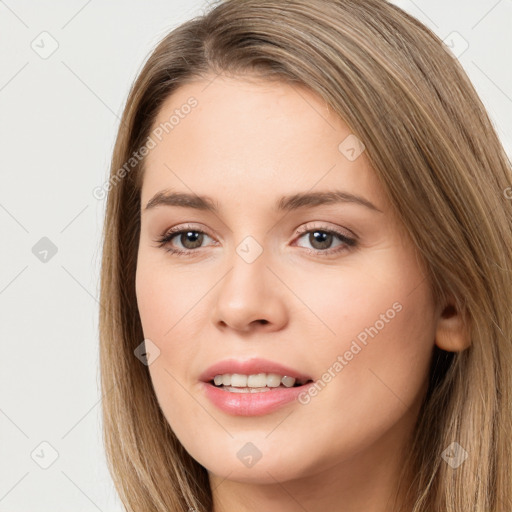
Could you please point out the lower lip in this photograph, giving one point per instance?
(252, 404)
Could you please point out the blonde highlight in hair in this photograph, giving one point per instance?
(438, 158)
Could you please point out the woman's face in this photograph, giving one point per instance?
(328, 286)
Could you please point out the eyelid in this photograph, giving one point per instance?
(349, 241)
(186, 227)
(324, 227)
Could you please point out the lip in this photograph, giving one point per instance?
(251, 367)
(252, 404)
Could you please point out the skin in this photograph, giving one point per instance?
(246, 144)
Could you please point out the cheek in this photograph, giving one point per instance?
(165, 307)
(165, 298)
(169, 310)
(172, 310)
(373, 331)
(371, 374)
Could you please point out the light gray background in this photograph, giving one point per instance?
(59, 117)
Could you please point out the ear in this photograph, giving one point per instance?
(452, 333)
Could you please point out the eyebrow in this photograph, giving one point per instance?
(284, 204)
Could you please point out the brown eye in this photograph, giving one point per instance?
(182, 241)
(190, 239)
(320, 239)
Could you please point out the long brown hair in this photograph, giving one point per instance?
(438, 157)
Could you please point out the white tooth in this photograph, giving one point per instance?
(288, 381)
(257, 381)
(239, 380)
(273, 380)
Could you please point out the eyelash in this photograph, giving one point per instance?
(348, 243)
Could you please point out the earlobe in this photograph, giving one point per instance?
(452, 333)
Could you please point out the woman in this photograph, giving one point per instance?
(306, 278)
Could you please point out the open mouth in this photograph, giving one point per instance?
(253, 388)
(262, 382)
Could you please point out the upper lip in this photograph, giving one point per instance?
(251, 367)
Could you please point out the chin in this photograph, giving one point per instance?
(265, 466)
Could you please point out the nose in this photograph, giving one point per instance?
(250, 297)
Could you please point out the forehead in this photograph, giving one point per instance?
(245, 116)
(251, 137)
